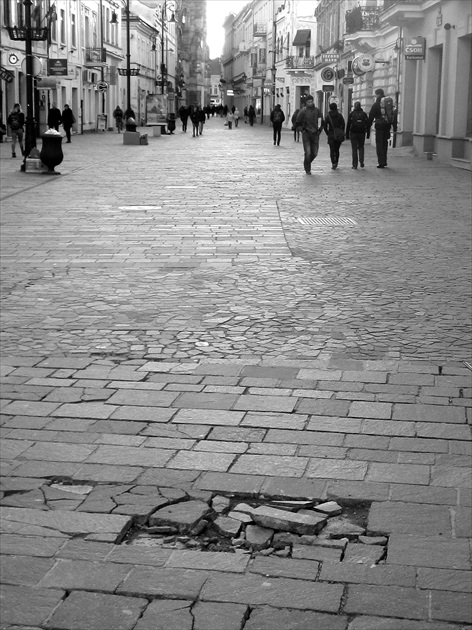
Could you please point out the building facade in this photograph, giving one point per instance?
(82, 60)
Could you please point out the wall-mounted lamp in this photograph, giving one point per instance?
(114, 18)
(448, 26)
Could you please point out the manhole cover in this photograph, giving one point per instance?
(326, 221)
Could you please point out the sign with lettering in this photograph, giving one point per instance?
(415, 49)
(57, 67)
(329, 58)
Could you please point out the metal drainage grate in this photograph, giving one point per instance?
(329, 221)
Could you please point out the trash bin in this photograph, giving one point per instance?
(131, 124)
(51, 151)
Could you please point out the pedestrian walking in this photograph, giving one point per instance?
(118, 116)
(183, 115)
(237, 116)
(201, 119)
(382, 112)
(230, 119)
(16, 122)
(251, 114)
(171, 123)
(195, 118)
(245, 113)
(307, 122)
(68, 119)
(277, 118)
(54, 117)
(296, 131)
(334, 125)
(357, 129)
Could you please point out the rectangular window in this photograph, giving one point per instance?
(62, 26)
(73, 30)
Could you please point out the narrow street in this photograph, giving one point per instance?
(198, 320)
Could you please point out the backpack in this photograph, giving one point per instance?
(358, 122)
(15, 122)
(278, 116)
(386, 109)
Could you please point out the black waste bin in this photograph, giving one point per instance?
(131, 124)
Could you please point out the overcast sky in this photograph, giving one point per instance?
(217, 10)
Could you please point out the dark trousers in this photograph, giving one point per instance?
(311, 143)
(334, 147)
(357, 144)
(277, 129)
(67, 130)
(382, 136)
(184, 124)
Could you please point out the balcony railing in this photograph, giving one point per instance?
(390, 3)
(295, 63)
(360, 19)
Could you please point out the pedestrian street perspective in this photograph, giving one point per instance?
(235, 396)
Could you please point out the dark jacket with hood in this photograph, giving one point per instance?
(358, 122)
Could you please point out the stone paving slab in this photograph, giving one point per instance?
(229, 349)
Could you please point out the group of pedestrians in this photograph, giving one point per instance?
(16, 122)
(309, 122)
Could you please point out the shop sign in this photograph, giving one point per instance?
(329, 58)
(415, 49)
(6, 75)
(328, 88)
(57, 67)
(348, 80)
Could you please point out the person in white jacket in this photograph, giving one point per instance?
(237, 116)
(230, 119)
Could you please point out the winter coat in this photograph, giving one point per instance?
(68, 118)
(16, 121)
(333, 119)
(54, 117)
(307, 119)
(276, 113)
(358, 122)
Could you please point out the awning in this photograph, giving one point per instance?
(302, 37)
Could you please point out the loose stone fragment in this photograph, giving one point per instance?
(288, 521)
(341, 527)
(284, 539)
(183, 515)
(161, 530)
(293, 506)
(282, 553)
(332, 543)
(240, 516)
(244, 508)
(227, 526)
(266, 552)
(330, 508)
(199, 527)
(220, 503)
(258, 537)
(373, 540)
(363, 554)
(308, 540)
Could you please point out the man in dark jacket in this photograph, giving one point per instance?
(307, 121)
(68, 119)
(334, 126)
(54, 117)
(277, 117)
(357, 129)
(382, 129)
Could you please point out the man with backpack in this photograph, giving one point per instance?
(382, 112)
(16, 122)
(276, 118)
(357, 129)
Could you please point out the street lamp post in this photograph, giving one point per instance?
(163, 61)
(128, 59)
(27, 33)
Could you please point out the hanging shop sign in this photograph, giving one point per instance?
(329, 58)
(327, 74)
(6, 75)
(415, 49)
(57, 68)
(328, 88)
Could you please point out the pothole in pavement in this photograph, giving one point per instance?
(287, 528)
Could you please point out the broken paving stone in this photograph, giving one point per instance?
(184, 515)
(308, 540)
(240, 516)
(174, 494)
(258, 537)
(330, 508)
(282, 553)
(220, 503)
(284, 539)
(267, 552)
(79, 489)
(332, 543)
(200, 527)
(244, 508)
(162, 530)
(363, 554)
(341, 527)
(373, 540)
(289, 521)
(227, 526)
(293, 506)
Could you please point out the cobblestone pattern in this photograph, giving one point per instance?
(208, 261)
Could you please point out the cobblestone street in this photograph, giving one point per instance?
(198, 320)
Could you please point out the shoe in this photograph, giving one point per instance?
(362, 164)
(278, 144)
(379, 166)
(308, 172)
(334, 167)
(354, 167)
(274, 144)
(68, 142)
(13, 155)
